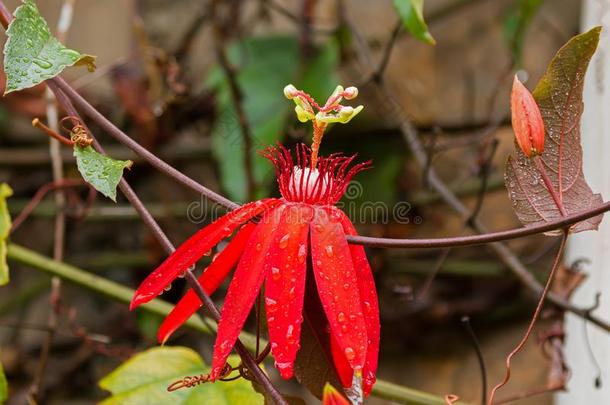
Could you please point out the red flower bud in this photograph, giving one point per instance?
(526, 119)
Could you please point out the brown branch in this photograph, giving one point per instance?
(163, 240)
(144, 153)
(59, 229)
(40, 194)
(392, 108)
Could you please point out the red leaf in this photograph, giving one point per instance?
(195, 247)
(210, 280)
(559, 96)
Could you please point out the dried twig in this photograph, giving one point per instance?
(59, 229)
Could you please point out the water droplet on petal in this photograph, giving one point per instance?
(290, 338)
(349, 353)
(224, 345)
(329, 251)
(341, 317)
(271, 304)
(259, 247)
(284, 241)
(275, 273)
(302, 253)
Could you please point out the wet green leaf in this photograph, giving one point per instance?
(265, 66)
(100, 171)
(5, 228)
(516, 24)
(412, 14)
(32, 54)
(143, 380)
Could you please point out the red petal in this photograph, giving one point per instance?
(210, 280)
(195, 247)
(244, 288)
(285, 286)
(370, 304)
(338, 286)
(332, 397)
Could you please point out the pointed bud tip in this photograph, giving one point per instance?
(526, 120)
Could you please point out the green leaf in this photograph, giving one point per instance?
(100, 171)
(412, 14)
(516, 24)
(265, 66)
(3, 386)
(32, 54)
(5, 228)
(143, 380)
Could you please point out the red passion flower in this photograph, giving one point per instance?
(302, 229)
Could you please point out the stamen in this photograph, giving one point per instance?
(323, 185)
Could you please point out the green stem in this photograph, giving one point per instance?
(117, 292)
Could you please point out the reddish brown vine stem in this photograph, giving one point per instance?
(530, 327)
(472, 240)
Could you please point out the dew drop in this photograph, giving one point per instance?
(341, 317)
(284, 241)
(329, 251)
(349, 353)
(271, 304)
(275, 273)
(259, 247)
(290, 334)
(302, 253)
(43, 64)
